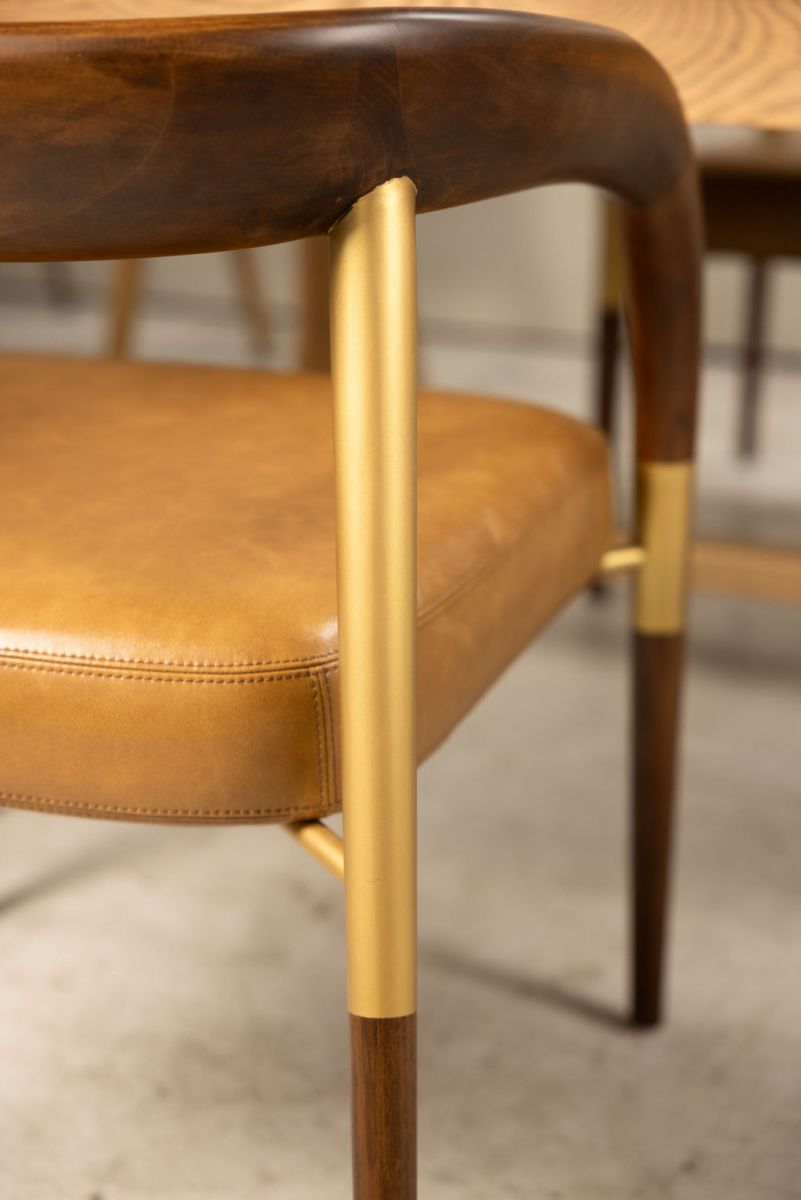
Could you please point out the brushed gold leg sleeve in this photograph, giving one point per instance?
(373, 344)
(321, 842)
(664, 512)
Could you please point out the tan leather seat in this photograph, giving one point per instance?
(168, 602)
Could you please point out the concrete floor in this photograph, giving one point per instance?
(172, 1009)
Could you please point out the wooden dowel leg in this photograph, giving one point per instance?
(384, 1075)
(606, 358)
(657, 690)
(126, 287)
(664, 507)
(609, 320)
(245, 267)
(60, 283)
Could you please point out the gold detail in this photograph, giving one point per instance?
(373, 348)
(321, 842)
(622, 558)
(664, 510)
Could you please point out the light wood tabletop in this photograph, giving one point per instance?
(734, 62)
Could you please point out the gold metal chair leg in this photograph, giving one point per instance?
(373, 343)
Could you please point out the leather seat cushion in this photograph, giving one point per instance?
(168, 602)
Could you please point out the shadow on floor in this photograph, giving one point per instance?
(80, 866)
(542, 991)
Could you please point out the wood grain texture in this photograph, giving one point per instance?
(148, 138)
(384, 1080)
(733, 61)
(663, 304)
(657, 678)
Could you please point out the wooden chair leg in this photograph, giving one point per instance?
(60, 284)
(607, 340)
(126, 286)
(608, 324)
(664, 503)
(656, 701)
(384, 1087)
(753, 347)
(244, 265)
(606, 359)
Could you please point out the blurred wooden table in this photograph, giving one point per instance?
(734, 62)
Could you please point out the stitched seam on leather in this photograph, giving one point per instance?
(428, 613)
(332, 741)
(318, 660)
(131, 810)
(321, 773)
(133, 678)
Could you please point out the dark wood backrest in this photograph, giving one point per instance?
(152, 137)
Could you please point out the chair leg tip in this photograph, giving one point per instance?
(646, 1016)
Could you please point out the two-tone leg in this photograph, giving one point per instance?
(373, 337)
(663, 299)
(664, 500)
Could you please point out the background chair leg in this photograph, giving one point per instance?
(608, 321)
(606, 356)
(753, 347)
(60, 284)
(126, 286)
(664, 508)
(384, 1074)
(607, 340)
(245, 267)
(657, 690)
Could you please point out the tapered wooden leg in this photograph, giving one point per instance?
(664, 507)
(607, 340)
(753, 345)
(60, 284)
(126, 286)
(384, 1071)
(245, 267)
(657, 691)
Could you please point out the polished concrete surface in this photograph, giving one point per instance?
(172, 1016)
